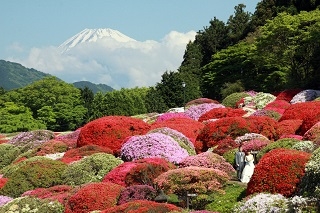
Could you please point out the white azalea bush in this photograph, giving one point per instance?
(305, 95)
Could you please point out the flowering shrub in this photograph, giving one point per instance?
(59, 193)
(32, 173)
(51, 147)
(4, 200)
(305, 95)
(32, 204)
(221, 113)
(152, 145)
(306, 146)
(267, 112)
(201, 101)
(310, 184)
(3, 139)
(90, 169)
(287, 95)
(278, 171)
(262, 202)
(8, 153)
(224, 145)
(288, 127)
(208, 160)
(278, 106)
(32, 139)
(70, 138)
(255, 145)
(111, 131)
(3, 181)
(138, 172)
(169, 115)
(309, 112)
(182, 140)
(187, 126)
(192, 179)
(313, 134)
(94, 196)
(248, 137)
(260, 100)
(137, 192)
(232, 99)
(196, 111)
(76, 154)
(298, 137)
(142, 206)
(263, 125)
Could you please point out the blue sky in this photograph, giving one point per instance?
(26, 25)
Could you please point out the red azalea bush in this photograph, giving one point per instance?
(288, 127)
(208, 160)
(287, 95)
(87, 150)
(169, 115)
(224, 146)
(263, 125)
(278, 105)
(313, 134)
(94, 196)
(119, 173)
(51, 147)
(142, 206)
(216, 113)
(3, 139)
(309, 112)
(3, 182)
(187, 126)
(279, 171)
(137, 192)
(111, 131)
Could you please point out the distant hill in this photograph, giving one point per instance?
(93, 87)
(14, 76)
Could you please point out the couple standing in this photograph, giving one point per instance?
(245, 165)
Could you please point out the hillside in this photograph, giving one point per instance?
(93, 87)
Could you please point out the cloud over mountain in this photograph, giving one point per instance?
(110, 57)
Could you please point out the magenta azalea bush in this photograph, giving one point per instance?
(153, 145)
(255, 145)
(137, 192)
(4, 200)
(195, 111)
(169, 115)
(249, 136)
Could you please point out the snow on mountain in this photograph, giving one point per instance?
(92, 35)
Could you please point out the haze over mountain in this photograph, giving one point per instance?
(107, 56)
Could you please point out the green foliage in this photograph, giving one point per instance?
(154, 101)
(36, 172)
(224, 203)
(8, 153)
(95, 88)
(229, 88)
(232, 99)
(15, 118)
(230, 156)
(90, 169)
(32, 204)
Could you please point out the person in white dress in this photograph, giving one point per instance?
(248, 168)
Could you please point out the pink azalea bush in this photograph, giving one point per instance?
(153, 145)
(169, 115)
(4, 200)
(137, 192)
(255, 145)
(69, 138)
(248, 137)
(196, 111)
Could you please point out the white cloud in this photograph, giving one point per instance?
(107, 61)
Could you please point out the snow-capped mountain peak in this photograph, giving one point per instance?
(92, 35)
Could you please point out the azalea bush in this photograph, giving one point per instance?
(254, 145)
(111, 131)
(224, 145)
(94, 196)
(8, 153)
(278, 106)
(182, 140)
(4, 200)
(267, 112)
(208, 160)
(260, 100)
(313, 134)
(69, 138)
(278, 171)
(248, 137)
(232, 99)
(32, 173)
(196, 111)
(137, 192)
(217, 113)
(306, 146)
(142, 206)
(32, 204)
(305, 95)
(51, 147)
(152, 145)
(287, 95)
(288, 127)
(169, 115)
(90, 169)
(263, 125)
(201, 101)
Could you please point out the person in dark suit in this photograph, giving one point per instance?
(239, 161)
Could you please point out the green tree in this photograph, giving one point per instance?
(154, 101)
(87, 97)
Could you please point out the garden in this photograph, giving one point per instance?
(182, 160)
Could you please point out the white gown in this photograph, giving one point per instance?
(248, 169)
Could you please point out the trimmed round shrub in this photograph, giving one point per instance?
(201, 101)
(262, 202)
(248, 137)
(260, 100)
(255, 145)
(51, 147)
(94, 196)
(32, 204)
(8, 153)
(32, 139)
(232, 99)
(169, 115)
(90, 169)
(278, 106)
(69, 138)
(111, 131)
(152, 145)
(306, 146)
(208, 160)
(287, 95)
(192, 179)
(187, 126)
(137, 192)
(4, 200)
(313, 134)
(142, 206)
(310, 183)
(309, 112)
(263, 125)
(217, 113)
(267, 112)
(196, 111)
(305, 95)
(118, 174)
(224, 146)
(278, 171)
(76, 154)
(182, 140)
(36, 172)
(288, 127)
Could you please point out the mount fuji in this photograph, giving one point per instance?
(92, 35)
